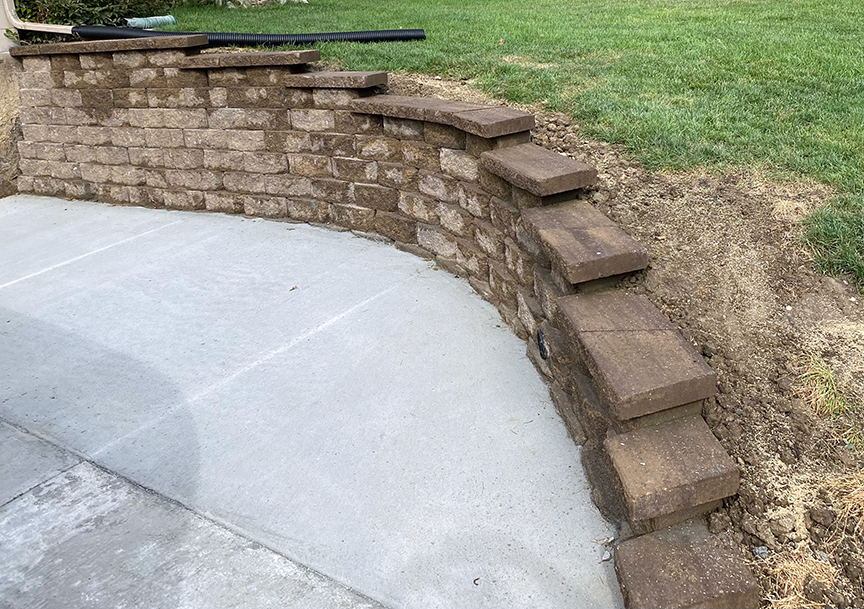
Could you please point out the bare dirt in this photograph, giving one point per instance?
(729, 268)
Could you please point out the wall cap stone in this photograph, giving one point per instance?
(334, 80)
(538, 170)
(683, 567)
(110, 46)
(246, 60)
(483, 120)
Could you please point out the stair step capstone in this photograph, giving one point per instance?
(538, 170)
(684, 567)
(181, 41)
(482, 120)
(640, 362)
(248, 60)
(671, 468)
(582, 242)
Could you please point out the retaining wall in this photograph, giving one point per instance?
(155, 123)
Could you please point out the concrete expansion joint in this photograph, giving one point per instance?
(265, 135)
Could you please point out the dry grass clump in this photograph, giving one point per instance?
(848, 496)
(789, 571)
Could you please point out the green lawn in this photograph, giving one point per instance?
(772, 84)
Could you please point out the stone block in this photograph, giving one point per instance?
(418, 207)
(130, 98)
(439, 187)
(182, 158)
(285, 185)
(112, 46)
(97, 98)
(672, 467)
(265, 162)
(129, 60)
(503, 285)
(76, 153)
(92, 61)
(350, 122)
(225, 202)
(127, 137)
(147, 157)
(175, 97)
(308, 210)
(378, 148)
(244, 183)
(538, 170)
(582, 243)
(313, 120)
(376, 197)
(42, 150)
(529, 310)
(333, 191)
(520, 264)
(169, 118)
(355, 170)
(212, 139)
(395, 226)
(504, 217)
(474, 200)
(459, 164)
(472, 259)
(188, 200)
(333, 99)
(310, 165)
(267, 97)
(352, 216)
(437, 241)
(265, 207)
(65, 98)
(331, 144)
(288, 141)
(421, 155)
(494, 121)
(246, 118)
(244, 139)
(36, 97)
(640, 363)
(256, 59)
(175, 77)
(112, 155)
(454, 219)
(444, 136)
(128, 175)
(88, 79)
(396, 175)
(198, 180)
(164, 138)
(489, 239)
(684, 568)
(222, 160)
(333, 80)
(403, 128)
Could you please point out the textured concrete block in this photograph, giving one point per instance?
(538, 170)
(355, 170)
(242, 60)
(376, 197)
(640, 363)
(459, 164)
(110, 46)
(671, 467)
(378, 148)
(684, 568)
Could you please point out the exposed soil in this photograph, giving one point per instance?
(729, 268)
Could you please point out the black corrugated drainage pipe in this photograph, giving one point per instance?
(218, 39)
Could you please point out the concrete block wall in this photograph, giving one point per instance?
(155, 123)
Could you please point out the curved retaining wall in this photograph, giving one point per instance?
(152, 122)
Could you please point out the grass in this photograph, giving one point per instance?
(773, 84)
(822, 389)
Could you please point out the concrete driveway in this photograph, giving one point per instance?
(200, 410)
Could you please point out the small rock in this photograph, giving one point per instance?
(822, 515)
(837, 598)
(814, 590)
(707, 351)
(783, 524)
(760, 552)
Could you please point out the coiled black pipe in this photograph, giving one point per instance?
(220, 39)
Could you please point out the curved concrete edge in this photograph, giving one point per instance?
(131, 128)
